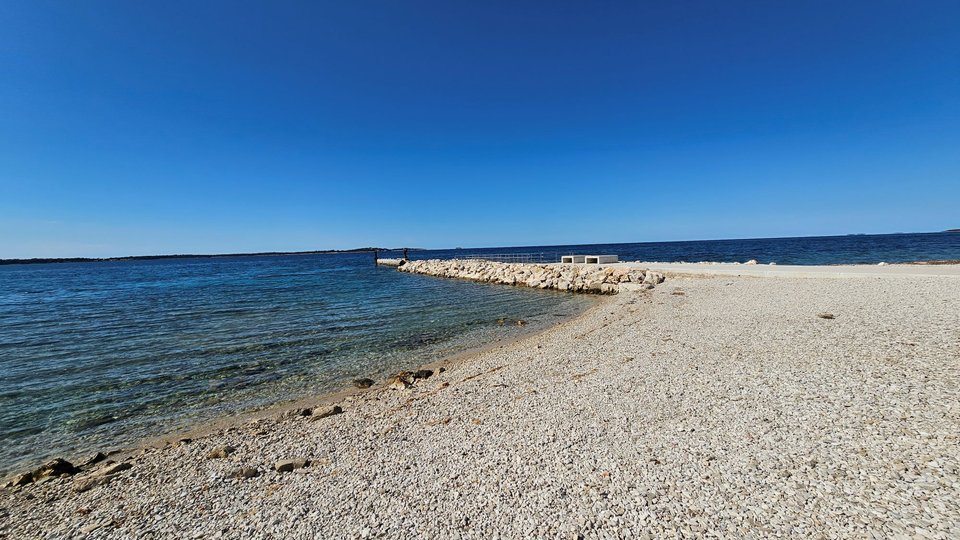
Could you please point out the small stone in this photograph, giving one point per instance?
(297, 412)
(825, 315)
(289, 465)
(114, 468)
(221, 452)
(363, 383)
(319, 413)
(244, 473)
(423, 374)
(86, 484)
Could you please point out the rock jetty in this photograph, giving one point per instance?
(562, 277)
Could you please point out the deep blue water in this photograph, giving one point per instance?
(95, 355)
(853, 249)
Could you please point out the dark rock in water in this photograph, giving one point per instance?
(423, 374)
(221, 452)
(289, 465)
(326, 412)
(363, 383)
(54, 468)
(245, 472)
(93, 460)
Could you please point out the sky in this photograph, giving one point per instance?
(133, 128)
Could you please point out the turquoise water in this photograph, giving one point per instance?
(96, 355)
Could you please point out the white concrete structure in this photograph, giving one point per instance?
(570, 259)
(600, 259)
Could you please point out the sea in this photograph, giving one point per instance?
(98, 355)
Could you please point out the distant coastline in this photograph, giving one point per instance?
(48, 260)
(829, 249)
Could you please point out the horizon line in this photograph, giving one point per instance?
(53, 260)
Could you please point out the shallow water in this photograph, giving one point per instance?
(95, 355)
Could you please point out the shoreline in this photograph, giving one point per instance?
(210, 426)
(723, 405)
(702, 270)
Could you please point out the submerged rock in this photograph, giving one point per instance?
(363, 383)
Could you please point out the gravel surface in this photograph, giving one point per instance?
(707, 407)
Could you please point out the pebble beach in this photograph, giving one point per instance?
(718, 406)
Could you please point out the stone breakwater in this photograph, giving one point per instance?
(562, 277)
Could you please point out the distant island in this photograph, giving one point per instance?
(952, 230)
(196, 256)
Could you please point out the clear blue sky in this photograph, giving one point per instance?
(171, 127)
